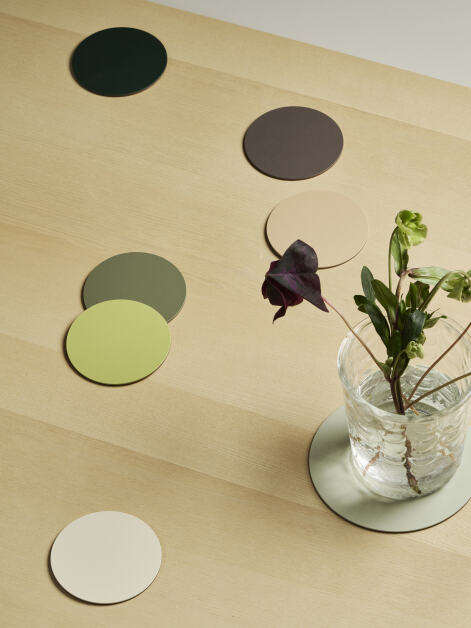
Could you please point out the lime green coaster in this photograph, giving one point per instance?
(118, 341)
(137, 276)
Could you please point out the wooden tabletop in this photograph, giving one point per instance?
(211, 450)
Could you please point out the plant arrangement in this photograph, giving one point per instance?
(400, 317)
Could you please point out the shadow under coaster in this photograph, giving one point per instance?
(330, 222)
(337, 484)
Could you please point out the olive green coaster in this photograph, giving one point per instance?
(339, 487)
(139, 277)
(118, 342)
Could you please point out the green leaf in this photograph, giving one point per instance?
(366, 283)
(386, 368)
(387, 299)
(399, 254)
(411, 297)
(399, 322)
(432, 321)
(379, 321)
(423, 290)
(360, 300)
(395, 343)
(401, 365)
(413, 326)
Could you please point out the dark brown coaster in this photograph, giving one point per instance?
(293, 143)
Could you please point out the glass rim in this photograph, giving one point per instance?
(353, 390)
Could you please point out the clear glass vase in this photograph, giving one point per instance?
(411, 455)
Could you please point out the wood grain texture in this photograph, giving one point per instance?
(211, 450)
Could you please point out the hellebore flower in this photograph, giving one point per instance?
(414, 350)
(293, 278)
(410, 229)
(458, 286)
(456, 283)
(429, 274)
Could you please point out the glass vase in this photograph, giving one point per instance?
(411, 455)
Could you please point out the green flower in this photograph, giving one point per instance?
(421, 339)
(414, 350)
(458, 286)
(457, 283)
(410, 229)
(429, 274)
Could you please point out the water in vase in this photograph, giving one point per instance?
(412, 455)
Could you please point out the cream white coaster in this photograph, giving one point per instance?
(106, 557)
(330, 222)
(337, 484)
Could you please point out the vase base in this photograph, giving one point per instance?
(343, 492)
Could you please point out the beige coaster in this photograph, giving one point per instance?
(331, 223)
(106, 557)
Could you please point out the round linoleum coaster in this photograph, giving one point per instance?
(337, 484)
(293, 143)
(140, 277)
(118, 61)
(118, 342)
(331, 223)
(106, 557)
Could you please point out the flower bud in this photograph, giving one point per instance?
(411, 230)
(414, 350)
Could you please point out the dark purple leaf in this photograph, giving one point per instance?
(293, 278)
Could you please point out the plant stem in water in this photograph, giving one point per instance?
(424, 375)
(411, 479)
(452, 381)
(397, 396)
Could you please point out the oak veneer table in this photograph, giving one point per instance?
(211, 450)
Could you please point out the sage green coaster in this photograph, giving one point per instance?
(140, 277)
(339, 487)
(118, 342)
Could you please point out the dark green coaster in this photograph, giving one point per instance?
(118, 61)
(140, 277)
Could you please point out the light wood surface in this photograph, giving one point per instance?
(211, 450)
